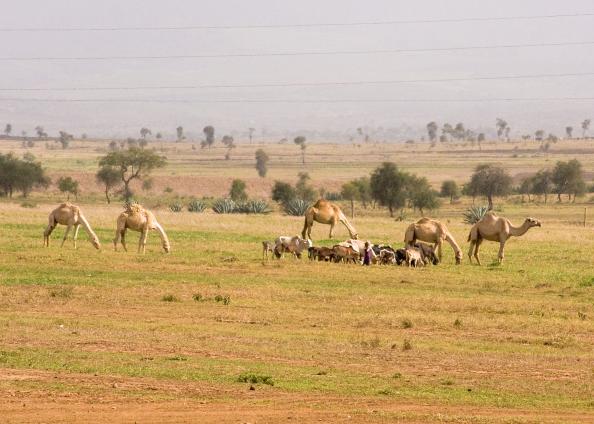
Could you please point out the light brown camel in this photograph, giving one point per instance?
(71, 216)
(137, 218)
(325, 212)
(432, 231)
(494, 228)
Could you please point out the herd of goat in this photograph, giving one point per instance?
(415, 255)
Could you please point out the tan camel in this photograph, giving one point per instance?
(71, 216)
(432, 231)
(325, 212)
(137, 218)
(494, 228)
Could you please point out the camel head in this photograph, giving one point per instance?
(531, 222)
(95, 242)
(355, 236)
(458, 258)
(166, 247)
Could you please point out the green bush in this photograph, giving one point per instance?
(252, 206)
(474, 214)
(176, 207)
(196, 206)
(224, 206)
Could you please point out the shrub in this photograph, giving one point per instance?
(333, 196)
(406, 323)
(224, 299)
(255, 379)
(406, 345)
(169, 298)
(223, 206)
(176, 207)
(252, 206)
(198, 297)
(28, 204)
(474, 214)
(196, 206)
(296, 207)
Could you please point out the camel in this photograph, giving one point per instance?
(325, 212)
(137, 218)
(494, 228)
(71, 216)
(434, 232)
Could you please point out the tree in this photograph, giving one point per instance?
(490, 181)
(300, 141)
(21, 175)
(459, 132)
(262, 162)
(40, 132)
(110, 178)
(209, 133)
(350, 192)
(539, 135)
(303, 189)
(364, 187)
(526, 187)
(134, 163)
(144, 132)
(585, 127)
(542, 183)
(569, 132)
(68, 185)
(179, 131)
(446, 131)
(237, 192)
(228, 141)
(502, 128)
(388, 186)
(251, 133)
(420, 193)
(568, 179)
(432, 131)
(64, 139)
(283, 192)
(158, 136)
(450, 189)
(8, 129)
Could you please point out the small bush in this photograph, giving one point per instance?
(396, 375)
(474, 214)
(62, 292)
(168, 190)
(224, 299)
(169, 298)
(252, 207)
(406, 323)
(196, 206)
(296, 207)
(198, 297)
(28, 204)
(457, 323)
(406, 345)
(223, 206)
(384, 392)
(176, 207)
(255, 379)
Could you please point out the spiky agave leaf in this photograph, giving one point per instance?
(474, 214)
(296, 207)
(196, 205)
(224, 206)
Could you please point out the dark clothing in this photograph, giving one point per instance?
(367, 257)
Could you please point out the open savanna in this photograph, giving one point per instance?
(96, 336)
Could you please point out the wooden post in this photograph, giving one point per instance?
(585, 215)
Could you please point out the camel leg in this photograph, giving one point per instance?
(332, 225)
(142, 241)
(123, 239)
(470, 250)
(437, 247)
(476, 251)
(47, 233)
(66, 234)
(76, 228)
(306, 228)
(501, 247)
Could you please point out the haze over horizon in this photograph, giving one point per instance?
(334, 109)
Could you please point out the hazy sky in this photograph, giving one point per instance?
(107, 119)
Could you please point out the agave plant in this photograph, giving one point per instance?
(296, 207)
(474, 214)
(252, 206)
(224, 206)
(176, 207)
(196, 206)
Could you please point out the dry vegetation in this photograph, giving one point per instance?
(95, 336)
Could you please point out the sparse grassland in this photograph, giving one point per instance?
(212, 333)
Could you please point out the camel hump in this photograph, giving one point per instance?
(320, 203)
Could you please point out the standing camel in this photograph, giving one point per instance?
(494, 228)
(71, 216)
(325, 212)
(137, 218)
(432, 231)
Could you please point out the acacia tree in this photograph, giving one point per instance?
(432, 131)
(110, 178)
(350, 192)
(237, 191)
(64, 139)
(179, 131)
(209, 134)
(21, 175)
(569, 132)
(421, 195)
(585, 127)
(490, 181)
(8, 129)
(228, 141)
(300, 141)
(542, 183)
(568, 179)
(68, 185)
(251, 133)
(503, 128)
(388, 186)
(134, 163)
(262, 162)
(450, 189)
(40, 132)
(144, 132)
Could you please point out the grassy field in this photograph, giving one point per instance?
(212, 333)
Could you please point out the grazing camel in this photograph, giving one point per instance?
(432, 231)
(494, 228)
(71, 216)
(137, 218)
(325, 212)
